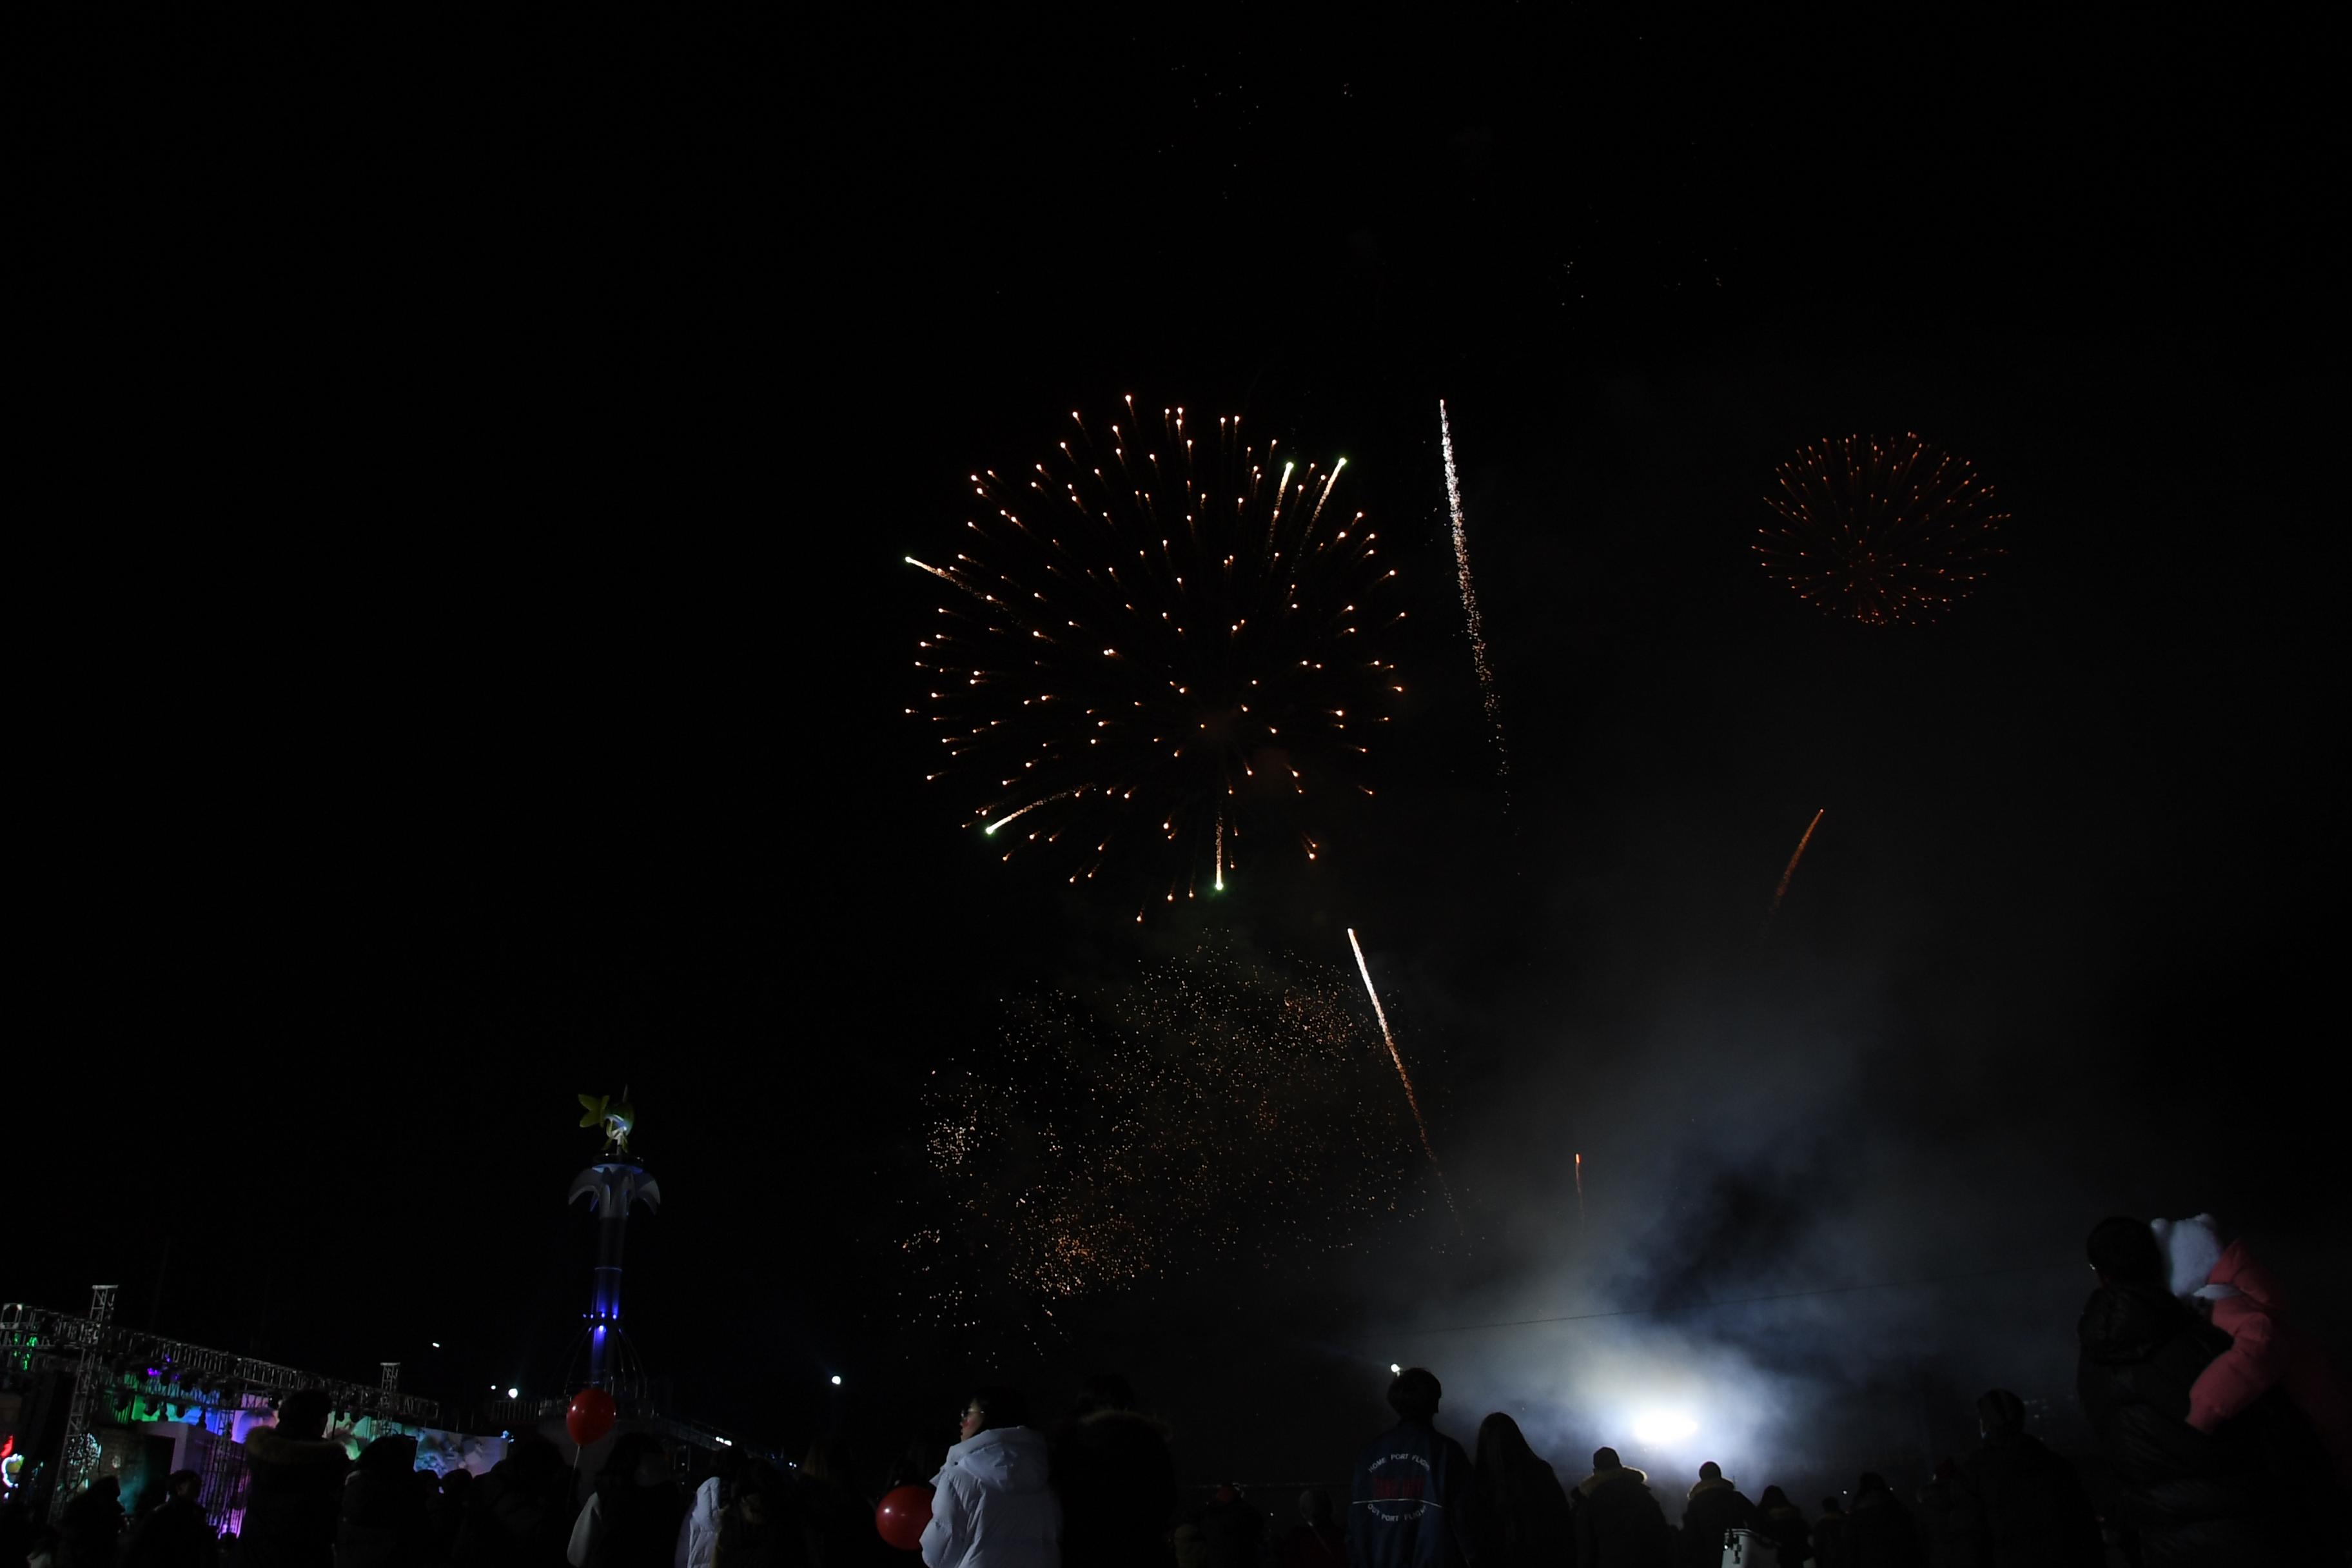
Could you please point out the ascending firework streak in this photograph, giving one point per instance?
(1470, 595)
(1404, 1077)
(1580, 1191)
(1782, 891)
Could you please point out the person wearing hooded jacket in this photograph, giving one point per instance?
(1618, 1523)
(383, 1520)
(1116, 1478)
(1885, 1535)
(1409, 1502)
(294, 1500)
(2268, 1349)
(2026, 1505)
(1779, 1522)
(2217, 1501)
(992, 1505)
(1715, 1509)
(1833, 1544)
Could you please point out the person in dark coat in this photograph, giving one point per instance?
(1715, 1509)
(2027, 1504)
(1315, 1542)
(447, 1505)
(2223, 1500)
(1412, 1491)
(293, 1503)
(92, 1526)
(178, 1536)
(835, 1518)
(762, 1527)
(1117, 1481)
(1949, 1532)
(1522, 1519)
(521, 1511)
(1618, 1523)
(384, 1522)
(1779, 1522)
(631, 1521)
(1885, 1535)
(17, 1531)
(1833, 1536)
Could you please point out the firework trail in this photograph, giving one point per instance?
(1580, 1191)
(1782, 891)
(1470, 596)
(1405, 1078)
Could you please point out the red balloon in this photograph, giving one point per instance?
(902, 1515)
(590, 1416)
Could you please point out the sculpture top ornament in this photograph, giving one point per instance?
(617, 1120)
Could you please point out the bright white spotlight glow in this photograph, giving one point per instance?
(836, 1380)
(1394, 1368)
(514, 1394)
(1664, 1427)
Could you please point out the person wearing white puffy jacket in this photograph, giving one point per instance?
(993, 1503)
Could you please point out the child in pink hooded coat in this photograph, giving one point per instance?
(2268, 1350)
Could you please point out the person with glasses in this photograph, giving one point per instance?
(993, 1503)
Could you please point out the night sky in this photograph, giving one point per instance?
(465, 657)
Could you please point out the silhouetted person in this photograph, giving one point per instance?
(836, 1517)
(521, 1515)
(1833, 1537)
(383, 1520)
(761, 1526)
(1117, 1481)
(1226, 1532)
(1411, 1486)
(1780, 1521)
(1315, 1541)
(1522, 1519)
(1715, 1509)
(178, 1536)
(631, 1521)
(447, 1505)
(293, 1505)
(1618, 1523)
(1949, 1532)
(2027, 1504)
(2235, 1497)
(1885, 1535)
(17, 1530)
(2269, 1347)
(92, 1526)
(992, 1505)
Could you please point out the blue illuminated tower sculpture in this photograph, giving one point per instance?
(613, 1185)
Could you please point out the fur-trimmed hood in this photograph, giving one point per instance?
(1599, 1478)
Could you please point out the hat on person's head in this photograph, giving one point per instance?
(1606, 1460)
(1999, 1411)
(1710, 1471)
(2124, 1250)
(2192, 1247)
(1415, 1393)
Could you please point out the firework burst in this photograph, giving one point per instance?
(1880, 530)
(1159, 663)
(1212, 1105)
